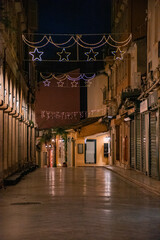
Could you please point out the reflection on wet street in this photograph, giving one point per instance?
(78, 204)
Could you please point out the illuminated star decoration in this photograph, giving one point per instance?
(91, 55)
(63, 55)
(46, 83)
(118, 54)
(74, 84)
(88, 83)
(60, 84)
(36, 55)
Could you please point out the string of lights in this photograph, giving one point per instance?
(50, 115)
(67, 76)
(78, 40)
(121, 42)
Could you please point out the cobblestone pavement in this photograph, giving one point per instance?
(79, 204)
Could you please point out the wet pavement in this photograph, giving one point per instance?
(78, 204)
(137, 177)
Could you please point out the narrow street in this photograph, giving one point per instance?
(79, 204)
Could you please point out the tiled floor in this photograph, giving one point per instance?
(78, 204)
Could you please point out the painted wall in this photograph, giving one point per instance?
(58, 104)
(95, 96)
(100, 159)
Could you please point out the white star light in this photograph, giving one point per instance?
(36, 55)
(60, 84)
(46, 83)
(74, 84)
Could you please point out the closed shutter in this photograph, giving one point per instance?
(143, 141)
(132, 145)
(138, 142)
(153, 166)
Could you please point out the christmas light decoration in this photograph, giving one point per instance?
(73, 79)
(64, 44)
(36, 55)
(71, 115)
(73, 39)
(49, 77)
(63, 77)
(63, 55)
(118, 54)
(38, 44)
(121, 42)
(60, 84)
(84, 77)
(74, 84)
(91, 55)
(46, 83)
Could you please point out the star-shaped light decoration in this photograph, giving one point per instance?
(91, 55)
(36, 55)
(60, 84)
(74, 84)
(63, 55)
(118, 54)
(88, 83)
(46, 83)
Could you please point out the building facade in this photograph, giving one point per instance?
(133, 92)
(125, 83)
(17, 88)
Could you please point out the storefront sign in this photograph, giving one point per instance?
(153, 99)
(143, 106)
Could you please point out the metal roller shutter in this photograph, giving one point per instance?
(143, 140)
(138, 142)
(132, 145)
(153, 166)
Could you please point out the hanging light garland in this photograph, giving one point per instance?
(77, 39)
(60, 79)
(51, 115)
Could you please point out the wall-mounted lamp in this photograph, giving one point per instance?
(127, 119)
(10, 96)
(107, 139)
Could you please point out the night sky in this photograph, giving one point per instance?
(74, 16)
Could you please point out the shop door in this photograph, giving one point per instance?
(143, 141)
(153, 160)
(73, 153)
(90, 151)
(132, 145)
(126, 149)
(138, 142)
(112, 148)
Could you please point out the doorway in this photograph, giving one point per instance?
(90, 151)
